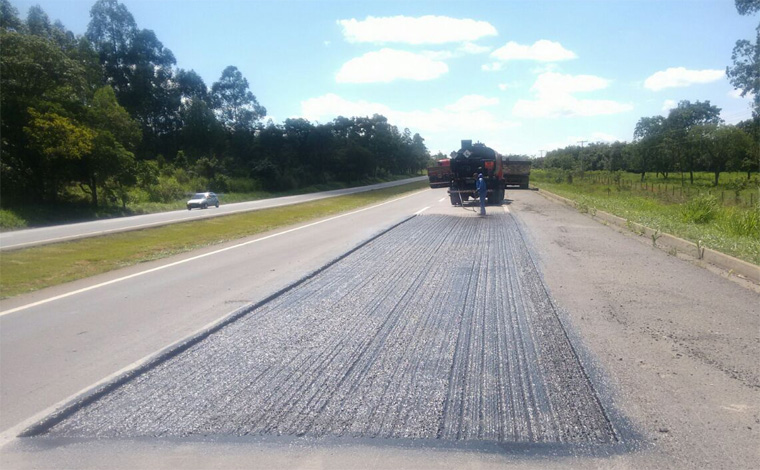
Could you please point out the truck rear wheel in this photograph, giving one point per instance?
(455, 199)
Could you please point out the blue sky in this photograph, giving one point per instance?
(520, 76)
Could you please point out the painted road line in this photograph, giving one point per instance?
(422, 210)
(442, 199)
(506, 209)
(176, 263)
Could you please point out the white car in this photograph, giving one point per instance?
(203, 200)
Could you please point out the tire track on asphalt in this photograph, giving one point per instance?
(439, 329)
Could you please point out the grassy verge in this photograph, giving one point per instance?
(38, 267)
(698, 216)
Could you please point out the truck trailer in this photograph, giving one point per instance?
(470, 161)
(439, 174)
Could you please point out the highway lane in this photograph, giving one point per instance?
(55, 349)
(673, 345)
(417, 334)
(44, 235)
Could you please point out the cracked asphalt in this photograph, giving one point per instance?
(440, 328)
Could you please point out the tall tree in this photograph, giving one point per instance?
(747, 7)
(680, 120)
(110, 166)
(751, 160)
(139, 69)
(9, 19)
(112, 30)
(648, 136)
(719, 146)
(235, 105)
(744, 75)
(36, 76)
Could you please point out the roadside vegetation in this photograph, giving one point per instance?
(105, 124)
(725, 218)
(38, 267)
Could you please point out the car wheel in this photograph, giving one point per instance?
(204, 206)
(217, 205)
(188, 207)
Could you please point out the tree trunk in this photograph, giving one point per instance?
(717, 174)
(93, 191)
(642, 175)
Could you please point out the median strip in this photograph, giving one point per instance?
(40, 267)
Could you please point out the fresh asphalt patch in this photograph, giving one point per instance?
(440, 329)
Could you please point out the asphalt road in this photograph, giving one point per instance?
(597, 323)
(44, 235)
(418, 334)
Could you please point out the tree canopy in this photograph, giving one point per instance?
(109, 112)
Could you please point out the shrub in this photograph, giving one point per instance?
(701, 209)
(244, 185)
(219, 183)
(743, 223)
(167, 190)
(9, 220)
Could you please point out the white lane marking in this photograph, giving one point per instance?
(422, 210)
(11, 433)
(506, 209)
(176, 263)
(442, 199)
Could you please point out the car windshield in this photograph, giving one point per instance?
(199, 196)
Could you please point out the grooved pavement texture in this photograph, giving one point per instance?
(438, 329)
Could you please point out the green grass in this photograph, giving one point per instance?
(39, 267)
(729, 225)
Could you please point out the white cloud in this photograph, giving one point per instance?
(464, 117)
(472, 48)
(427, 29)
(492, 67)
(603, 137)
(388, 65)
(738, 95)
(330, 106)
(552, 83)
(542, 51)
(463, 50)
(544, 68)
(554, 98)
(472, 103)
(503, 86)
(679, 77)
(668, 105)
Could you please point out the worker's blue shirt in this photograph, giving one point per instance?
(481, 186)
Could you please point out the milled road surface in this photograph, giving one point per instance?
(421, 333)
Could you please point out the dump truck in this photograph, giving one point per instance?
(516, 172)
(439, 174)
(469, 161)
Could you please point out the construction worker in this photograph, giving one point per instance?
(480, 186)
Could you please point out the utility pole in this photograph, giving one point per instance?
(581, 155)
(542, 153)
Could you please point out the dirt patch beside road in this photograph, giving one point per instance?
(681, 343)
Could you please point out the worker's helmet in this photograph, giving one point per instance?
(480, 175)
